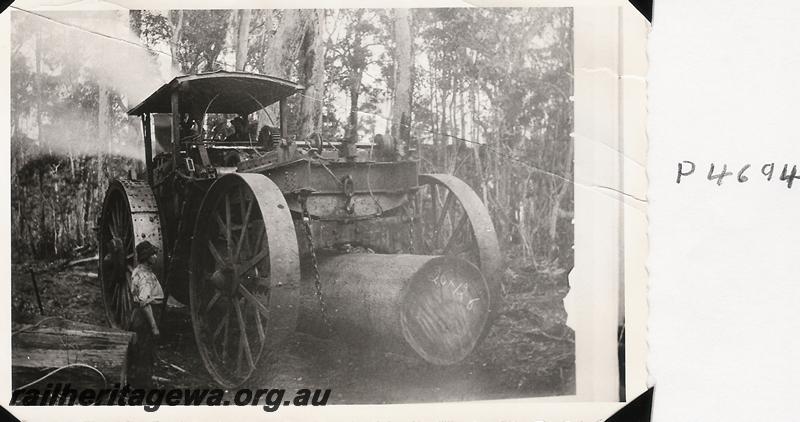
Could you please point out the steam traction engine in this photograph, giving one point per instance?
(261, 234)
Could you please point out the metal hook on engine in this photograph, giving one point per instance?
(348, 189)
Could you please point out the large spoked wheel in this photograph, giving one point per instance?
(129, 216)
(452, 220)
(245, 272)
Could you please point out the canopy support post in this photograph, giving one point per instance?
(284, 128)
(148, 147)
(176, 128)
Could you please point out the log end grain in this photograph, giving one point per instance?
(445, 310)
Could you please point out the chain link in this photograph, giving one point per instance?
(303, 197)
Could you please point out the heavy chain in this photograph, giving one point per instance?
(410, 215)
(302, 198)
(378, 207)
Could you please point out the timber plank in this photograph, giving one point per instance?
(52, 342)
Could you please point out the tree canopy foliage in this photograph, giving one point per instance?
(482, 93)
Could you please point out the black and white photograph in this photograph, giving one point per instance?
(372, 206)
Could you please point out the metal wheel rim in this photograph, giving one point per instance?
(472, 223)
(116, 223)
(243, 263)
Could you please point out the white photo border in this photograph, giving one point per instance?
(610, 215)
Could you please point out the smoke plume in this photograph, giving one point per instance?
(84, 71)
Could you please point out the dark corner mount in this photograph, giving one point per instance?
(638, 410)
(645, 7)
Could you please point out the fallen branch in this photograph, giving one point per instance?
(173, 366)
(178, 368)
(80, 261)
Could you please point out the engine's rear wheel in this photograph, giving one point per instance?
(452, 220)
(129, 216)
(245, 272)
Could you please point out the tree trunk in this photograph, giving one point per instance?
(42, 218)
(401, 106)
(433, 112)
(39, 99)
(231, 42)
(284, 46)
(102, 135)
(312, 58)
(242, 39)
(87, 202)
(454, 123)
(265, 17)
(103, 118)
(476, 148)
(355, 91)
(445, 141)
(177, 33)
(356, 65)
(462, 112)
(102, 130)
(453, 98)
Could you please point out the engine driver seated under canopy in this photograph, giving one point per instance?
(239, 129)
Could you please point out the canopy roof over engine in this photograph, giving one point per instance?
(218, 92)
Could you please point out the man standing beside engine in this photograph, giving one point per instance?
(146, 291)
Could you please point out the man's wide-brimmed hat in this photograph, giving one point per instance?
(144, 250)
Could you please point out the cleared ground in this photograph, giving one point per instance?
(529, 351)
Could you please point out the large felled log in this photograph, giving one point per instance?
(433, 306)
(51, 343)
